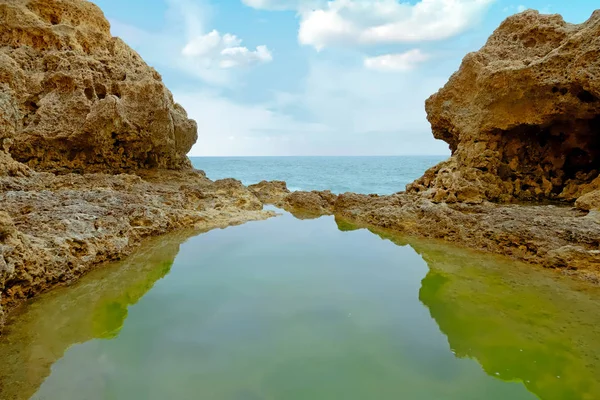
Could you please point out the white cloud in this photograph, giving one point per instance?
(396, 62)
(211, 57)
(226, 127)
(359, 112)
(369, 22)
(280, 5)
(360, 101)
(339, 108)
(521, 8)
(224, 51)
(272, 4)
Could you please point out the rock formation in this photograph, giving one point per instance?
(92, 151)
(269, 192)
(74, 98)
(521, 116)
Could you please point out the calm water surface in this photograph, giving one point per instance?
(381, 175)
(306, 309)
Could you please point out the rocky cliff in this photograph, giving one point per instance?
(74, 98)
(92, 151)
(521, 116)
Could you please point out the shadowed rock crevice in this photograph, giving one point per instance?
(556, 160)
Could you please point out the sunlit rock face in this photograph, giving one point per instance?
(521, 115)
(72, 97)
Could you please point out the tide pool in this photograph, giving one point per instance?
(306, 309)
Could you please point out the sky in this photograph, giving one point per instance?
(313, 77)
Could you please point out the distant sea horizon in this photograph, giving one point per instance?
(332, 156)
(360, 174)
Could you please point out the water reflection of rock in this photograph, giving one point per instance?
(518, 322)
(94, 308)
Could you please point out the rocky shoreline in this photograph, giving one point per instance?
(54, 228)
(93, 152)
(554, 236)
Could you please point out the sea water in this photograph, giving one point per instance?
(299, 309)
(380, 175)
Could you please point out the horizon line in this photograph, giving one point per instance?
(321, 155)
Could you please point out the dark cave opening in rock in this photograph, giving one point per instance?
(542, 161)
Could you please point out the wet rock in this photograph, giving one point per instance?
(245, 198)
(521, 115)
(590, 201)
(54, 228)
(527, 233)
(317, 202)
(270, 192)
(300, 203)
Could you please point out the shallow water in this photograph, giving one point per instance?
(306, 309)
(381, 175)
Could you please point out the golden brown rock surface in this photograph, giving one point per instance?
(589, 201)
(521, 115)
(74, 98)
(269, 192)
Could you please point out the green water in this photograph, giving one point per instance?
(306, 309)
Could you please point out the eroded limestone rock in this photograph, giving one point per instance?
(270, 191)
(54, 228)
(74, 98)
(319, 202)
(589, 201)
(521, 115)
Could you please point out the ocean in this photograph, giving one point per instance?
(380, 175)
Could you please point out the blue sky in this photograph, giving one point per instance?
(313, 77)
